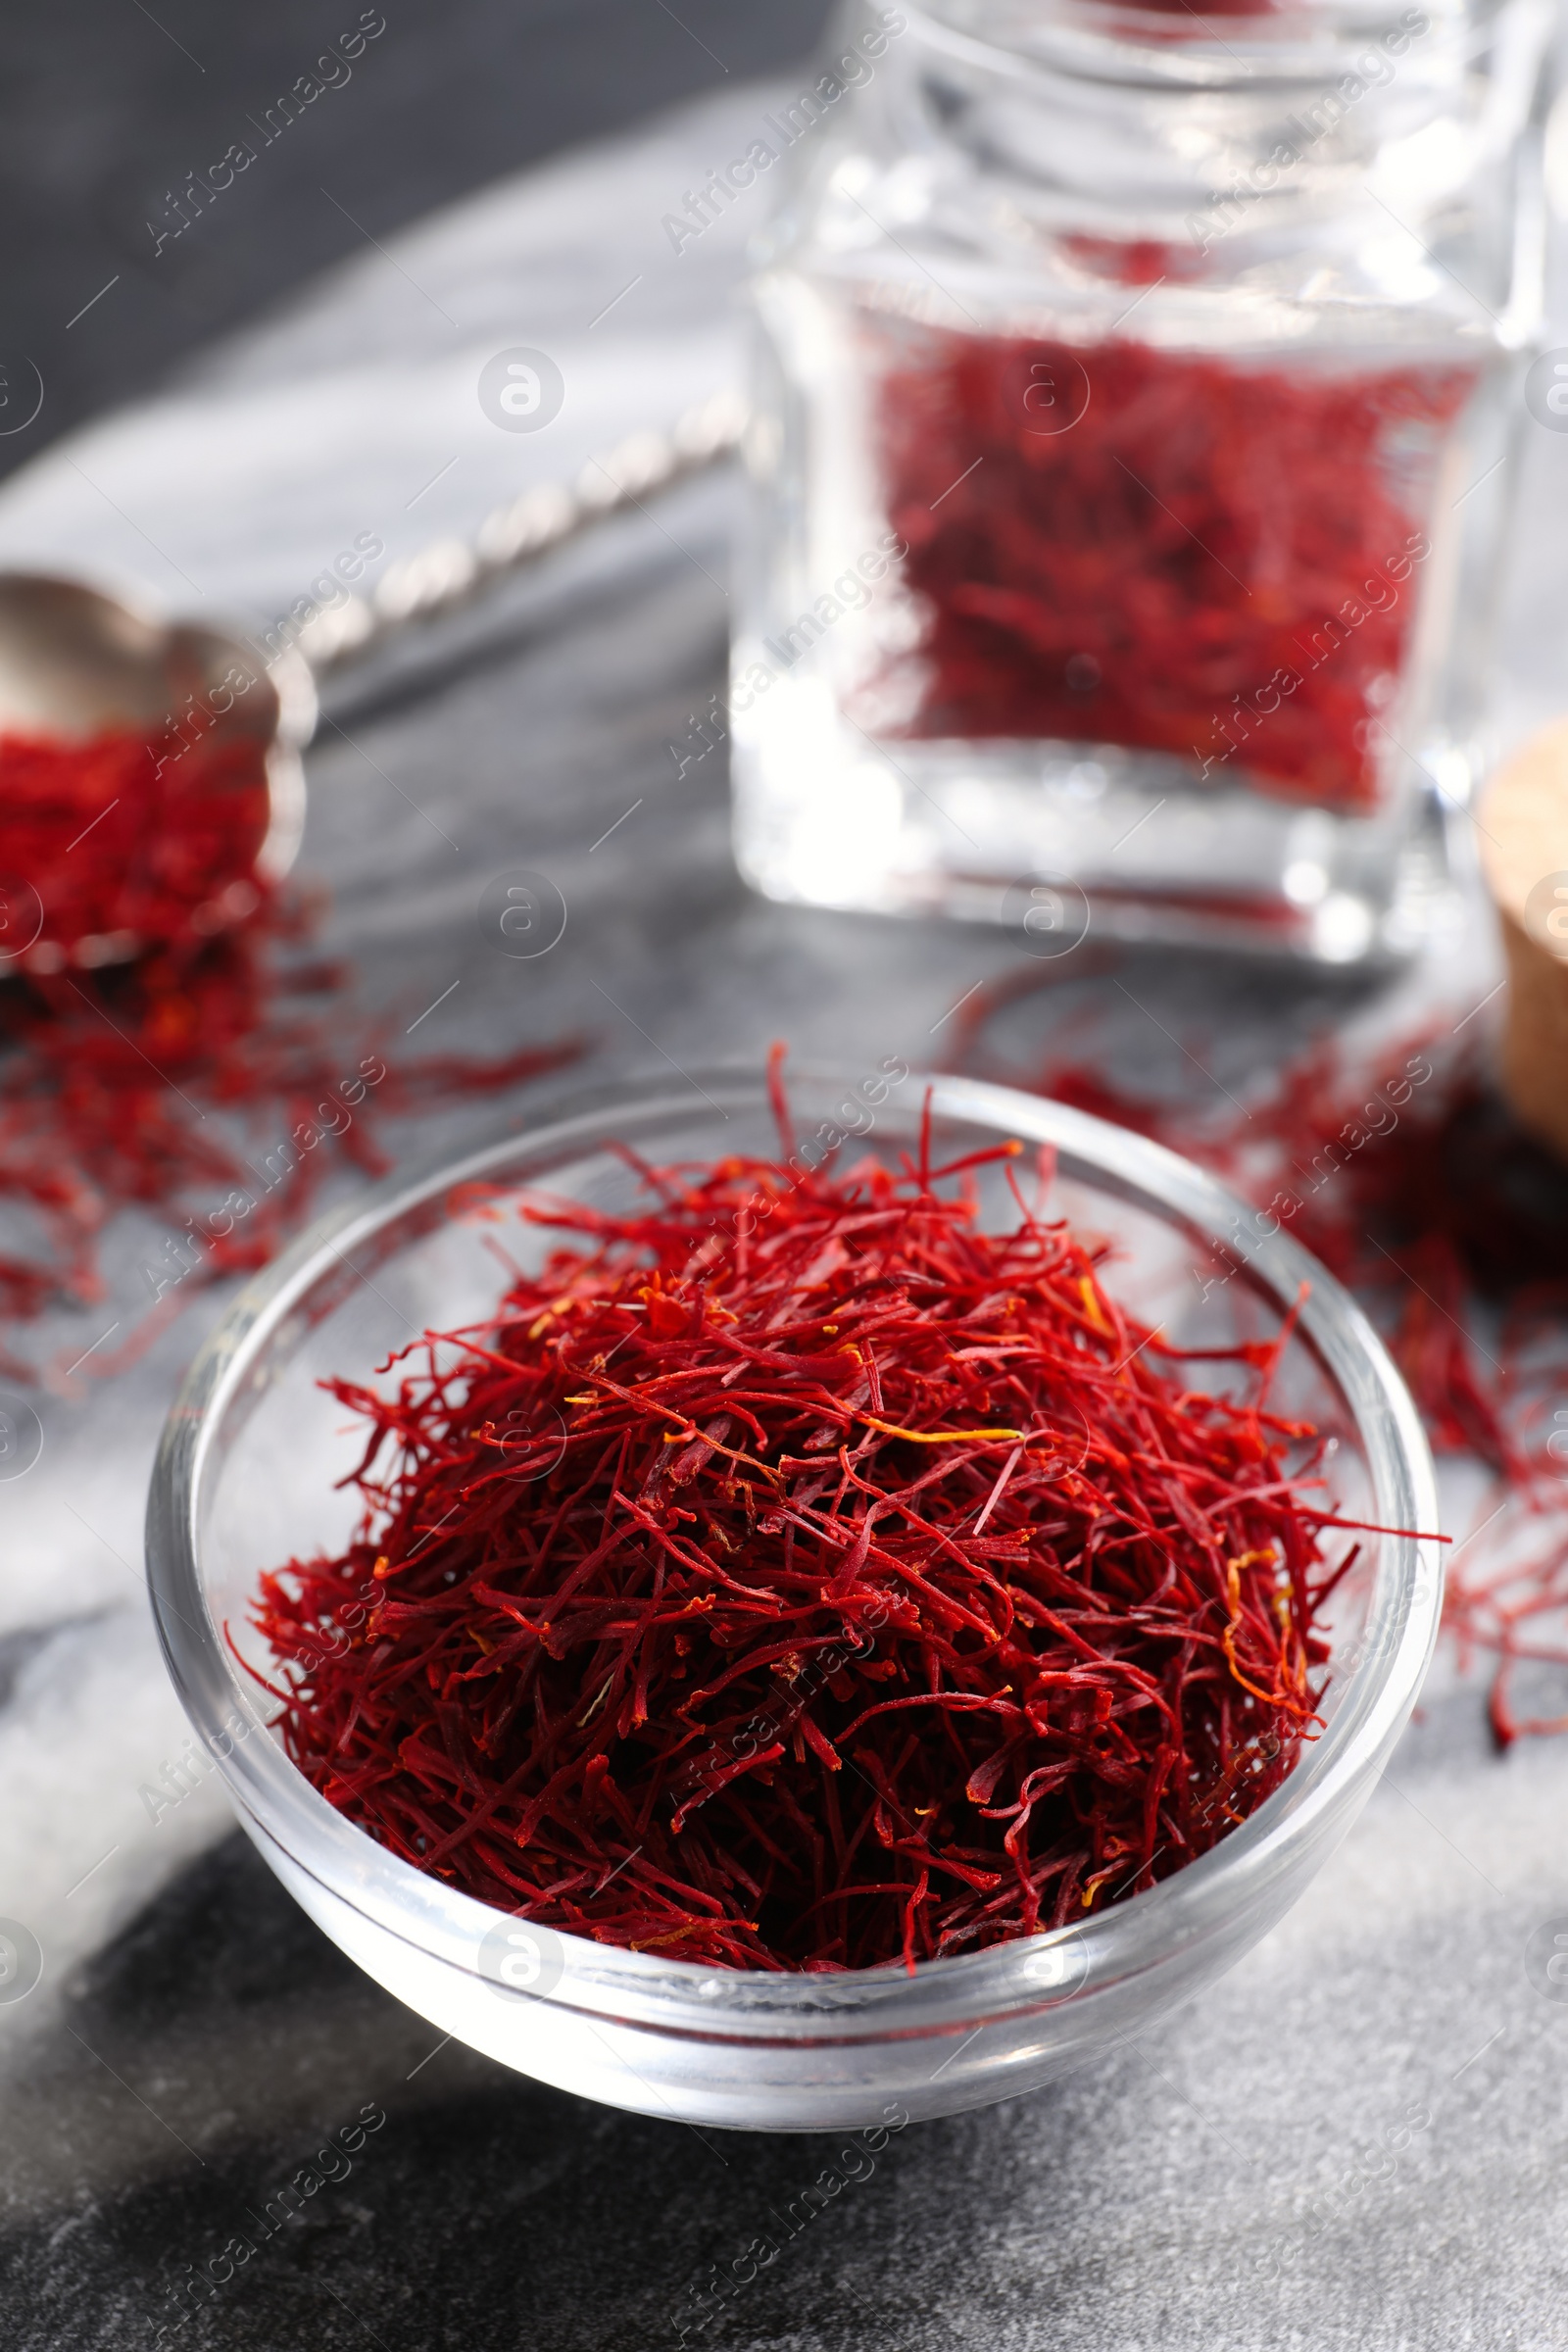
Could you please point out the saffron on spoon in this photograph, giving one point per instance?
(153, 1035)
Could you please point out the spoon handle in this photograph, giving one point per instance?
(448, 572)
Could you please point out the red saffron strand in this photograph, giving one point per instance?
(731, 1594)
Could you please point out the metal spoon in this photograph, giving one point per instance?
(74, 660)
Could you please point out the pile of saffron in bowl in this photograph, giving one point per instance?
(794, 1574)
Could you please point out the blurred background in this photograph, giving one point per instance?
(108, 105)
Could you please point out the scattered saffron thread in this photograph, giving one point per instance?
(1414, 1184)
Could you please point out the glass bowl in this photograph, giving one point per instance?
(245, 1478)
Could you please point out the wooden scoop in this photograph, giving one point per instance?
(1522, 831)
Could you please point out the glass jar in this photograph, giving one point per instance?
(1129, 464)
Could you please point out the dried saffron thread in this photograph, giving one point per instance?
(147, 988)
(1413, 1182)
(1160, 550)
(654, 1630)
(117, 838)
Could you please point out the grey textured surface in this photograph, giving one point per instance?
(1358, 2139)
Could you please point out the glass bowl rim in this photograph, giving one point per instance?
(1006, 1980)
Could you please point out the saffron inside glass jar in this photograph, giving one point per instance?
(1163, 550)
